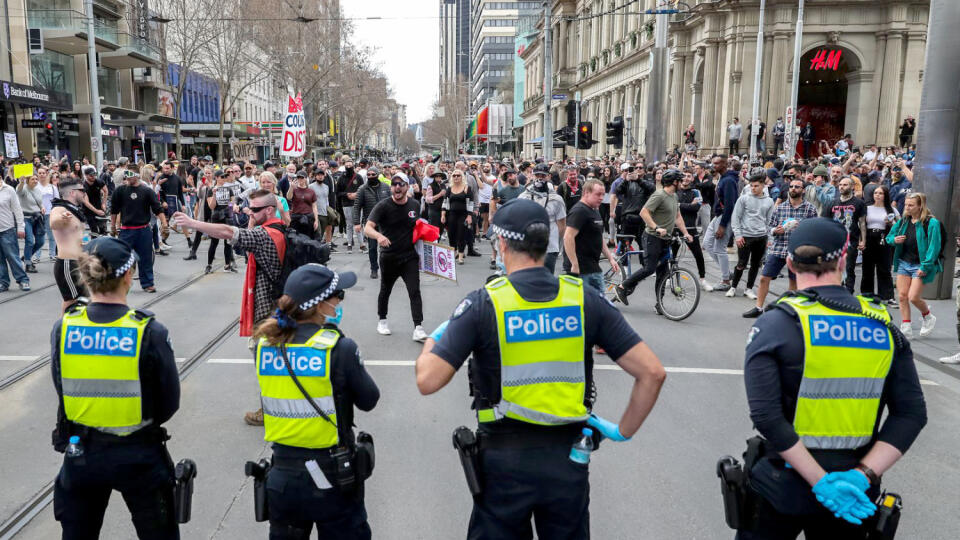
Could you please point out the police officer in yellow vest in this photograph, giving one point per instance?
(117, 383)
(531, 336)
(820, 369)
(301, 352)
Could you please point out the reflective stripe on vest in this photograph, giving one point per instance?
(100, 372)
(542, 373)
(288, 417)
(846, 361)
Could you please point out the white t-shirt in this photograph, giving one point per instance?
(50, 192)
(877, 216)
(486, 191)
(248, 182)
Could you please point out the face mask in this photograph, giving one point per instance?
(338, 309)
(372, 181)
(539, 185)
(349, 170)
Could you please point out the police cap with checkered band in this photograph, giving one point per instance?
(115, 254)
(313, 283)
(824, 233)
(513, 218)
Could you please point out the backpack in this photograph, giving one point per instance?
(943, 237)
(301, 250)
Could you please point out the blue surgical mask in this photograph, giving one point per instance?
(336, 319)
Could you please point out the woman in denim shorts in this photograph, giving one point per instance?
(916, 259)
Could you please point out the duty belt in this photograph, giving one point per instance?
(536, 438)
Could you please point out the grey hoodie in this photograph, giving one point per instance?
(751, 215)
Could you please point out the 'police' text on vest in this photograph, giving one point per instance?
(844, 331)
(542, 324)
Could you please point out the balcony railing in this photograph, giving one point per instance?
(138, 45)
(70, 20)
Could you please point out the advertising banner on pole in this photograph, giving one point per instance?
(10, 147)
(294, 139)
(437, 260)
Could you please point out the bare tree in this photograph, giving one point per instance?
(184, 37)
(447, 125)
(407, 143)
(231, 59)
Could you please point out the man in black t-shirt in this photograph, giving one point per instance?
(583, 237)
(851, 211)
(631, 195)
(391, 224)
(95, 205)
(131, 207)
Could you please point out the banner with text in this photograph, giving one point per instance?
(294, 139)
(437, 260)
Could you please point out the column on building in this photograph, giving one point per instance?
(630, 94)
(711, 132)
(869, 120)
(780, 74)
(767, 76)
(887, 120)
(686, 103)
(913, 75)
(859, 107)
(676, 100)
(581, 40)
(724, 55)
(640, 106)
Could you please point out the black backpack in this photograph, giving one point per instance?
(943, 237)
(301, 250)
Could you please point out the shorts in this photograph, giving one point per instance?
(484, 208)
(66, 272)
(773, 266)
(323, 222)
(909, 269)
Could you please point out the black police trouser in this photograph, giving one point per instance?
(538, 482)
(851, 278)
(823, 525)
(296, 505)
(142, 473)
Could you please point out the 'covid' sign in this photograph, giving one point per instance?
(100, 341)
(542, 324)
(294, 138)
(844, 331)
(305, 361)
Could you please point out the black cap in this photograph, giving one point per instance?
(441, 174)
(513, 218)
(363, 161)
(206, 158)
(115, 254)
(313, 283)
(825, 233)
(541, 169)
(267, 164)
(220, 173)
(301, 173)
(308, 162)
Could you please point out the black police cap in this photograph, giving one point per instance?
(313, 283)
(115, 254)
(514, 217)
(824, 233)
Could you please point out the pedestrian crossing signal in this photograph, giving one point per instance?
(585, 135)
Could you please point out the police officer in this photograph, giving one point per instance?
(117, 383)
(302, 351)
(531, 336)
(819, 372)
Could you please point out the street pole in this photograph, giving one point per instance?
(547, 81)
(795, 85)
(96, 138)
(655, 136)
(576, 126)
(755, 117)
(56, 140)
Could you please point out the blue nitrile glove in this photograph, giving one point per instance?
(845, 499)
(607, 428)
(438, 332)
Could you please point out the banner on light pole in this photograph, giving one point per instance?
(293, 143)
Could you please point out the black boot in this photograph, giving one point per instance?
(191, 257)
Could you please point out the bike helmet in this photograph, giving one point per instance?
(670, 177)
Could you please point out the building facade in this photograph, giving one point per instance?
(454, 43)
(494, 28)
(861, 67)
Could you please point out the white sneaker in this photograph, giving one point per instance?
(955, 359)
(35, 259)
(928, 323)
(705, 286)
(750, 294)
(419, 335)
(907, 330)
(382, 328)
(731, 292)
(164, 246)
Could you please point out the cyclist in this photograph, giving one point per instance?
(631, 194)
(661, 214)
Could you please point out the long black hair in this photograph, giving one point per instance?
(886, 198)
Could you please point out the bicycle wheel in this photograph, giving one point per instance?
(612, 280)
(678, 294)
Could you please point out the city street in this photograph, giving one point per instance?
(660, 485)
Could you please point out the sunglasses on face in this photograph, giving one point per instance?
(255, 209)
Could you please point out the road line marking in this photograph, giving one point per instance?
(18, 358)
(602, 367)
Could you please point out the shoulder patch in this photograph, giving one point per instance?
(753, 333)
(462, 308)
(359, 358)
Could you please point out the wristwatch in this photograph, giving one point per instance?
(868, 472)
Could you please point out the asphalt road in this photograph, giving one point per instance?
(660, 485)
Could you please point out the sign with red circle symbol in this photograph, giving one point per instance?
(443, 265)
(437, 260)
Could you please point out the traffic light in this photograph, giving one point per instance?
(48, 128)
(585, 136)
(615, 132)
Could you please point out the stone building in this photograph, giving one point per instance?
(861, 67)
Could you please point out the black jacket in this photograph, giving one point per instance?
(367, 198)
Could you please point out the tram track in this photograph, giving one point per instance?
(40, 500)
(43, 360)
(28, 293)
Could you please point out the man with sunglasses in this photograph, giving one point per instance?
(263, 244)
(249, 178)
(391, 225)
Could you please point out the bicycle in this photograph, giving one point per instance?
(678, 295)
